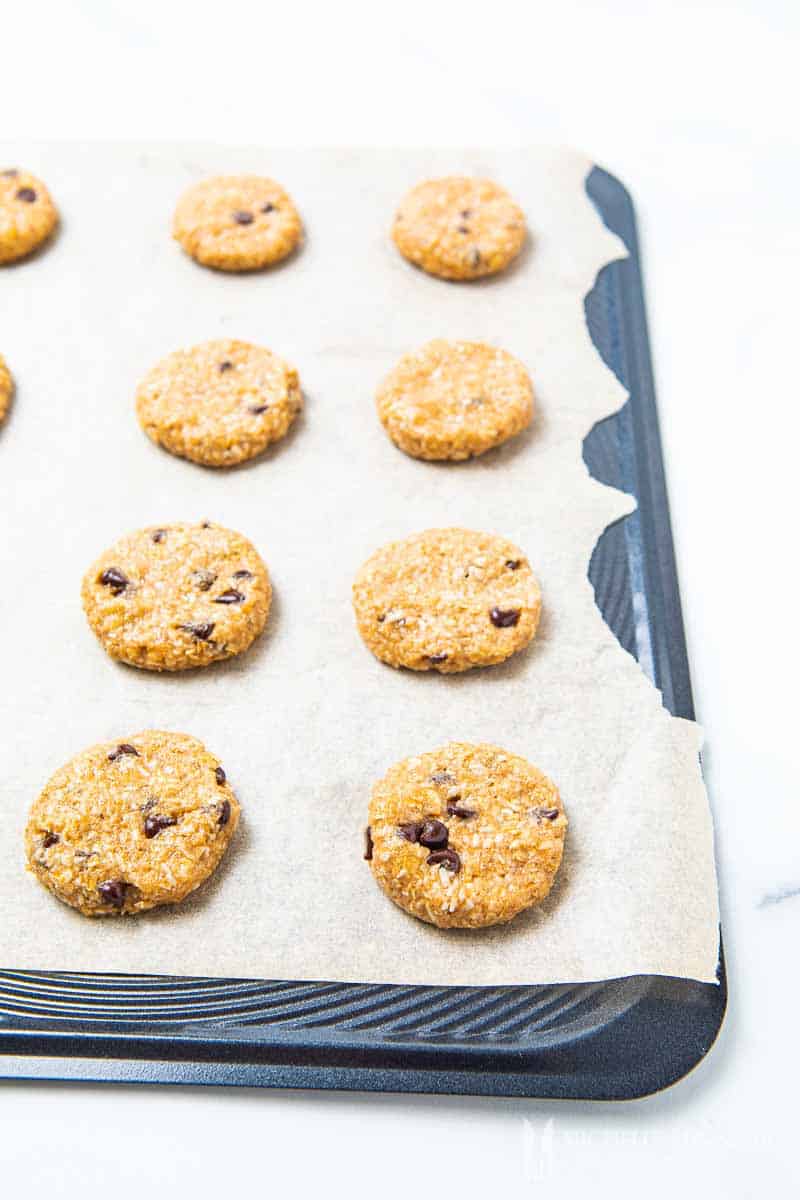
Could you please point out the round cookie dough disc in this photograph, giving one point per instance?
(176, 596)
(130, 825)
(6, 389)
(446, 600)
(27, 214)
(237, 222)
(465, 836)
(219, 403)
(454, 400)
(459, 227)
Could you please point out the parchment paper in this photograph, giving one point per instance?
(308, 719)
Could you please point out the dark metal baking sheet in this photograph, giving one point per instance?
(613, 1040)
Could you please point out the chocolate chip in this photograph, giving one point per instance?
(242, 574)
(466, 212)
(463, 228)
(411, 830)
(231, 596)
(154, 825)
(206, 525)
(456, 809)
(268, 207)
(201, 632)
(220, 776)
(504, 617)
(27, 195)
(475, 258)
(203, 579)
(224, 813)
(158, 535)
(241, 217)
(226, 365)
(433, 835)
(258, 409)
(115, 579)
(123, 748)
(440, 778)
(113, 892)
(513, 564)
(49, 840)
(445, 858)
(433, 659)
(368, 843)
(548, 814)
(381, 618)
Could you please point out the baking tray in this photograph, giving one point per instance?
(616, 1039)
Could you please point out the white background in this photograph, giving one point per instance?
(694, 106)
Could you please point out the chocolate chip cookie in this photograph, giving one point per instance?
(237, 222)
(28, 215)
(465, 836)
(171, 597)
(219, 403)
(459, 228)
(6, 389)
(446, 600)
(454, 400)
(129, 825)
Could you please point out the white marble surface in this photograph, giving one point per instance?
(694, 107)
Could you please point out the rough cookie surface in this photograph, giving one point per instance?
(237, 222)
(176, 596)
(219, 403)
(446, 600)
(454, 400)
(459, 227)
(465, 836)
(125, 826)
(27, 214)
(6, 389)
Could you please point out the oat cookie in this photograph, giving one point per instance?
(219, 403)
(446, 600)
(171, 597)
(454, 400)
(129, 825)
(6, 389)
(465, 836)
(237, 222)
(459, 227)
(27, 214)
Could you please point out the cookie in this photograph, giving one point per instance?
(171, 597)
(459, 227)
(465, 836)
(237, 222)
(219, 403)
(130, 825)
(27, 214)
(454, 400)
(446, 600)
(6, 389)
